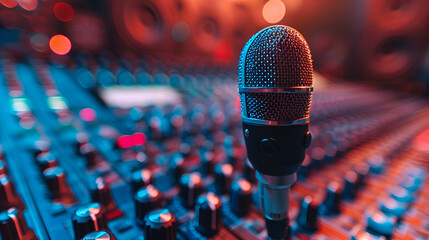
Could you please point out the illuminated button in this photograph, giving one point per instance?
(145, 200)
(223, 178)
(208, 214)
(88, 218)
(241, 197)
(191, 186)
(141, 178)
(160, 224)
(13, 226)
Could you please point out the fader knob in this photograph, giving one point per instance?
(241, 197)
(2, 167)
(90, 153)
(351, 185)
(191, 186)
(88, 218)
(145, 200)
(223, 178)
(46, 160)
(160, 224)
(13, 226)
(141, 178)
(208, 214)
(100, 192)
(207, 163)
(56, 180)
(99, 235)
(307, 217)
(332, 201)
(177, 166)
(8, 196)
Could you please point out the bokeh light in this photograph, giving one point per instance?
(274, 11)
(181, 32)
(9, 3)
(39, 42)
(60, 44)
(28, 5)
(63, 11)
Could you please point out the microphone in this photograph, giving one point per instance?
(275, 87)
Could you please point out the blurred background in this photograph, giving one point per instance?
(381, 42)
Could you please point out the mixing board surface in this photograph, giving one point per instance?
(113, 149)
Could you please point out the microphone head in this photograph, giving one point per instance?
(276, 78)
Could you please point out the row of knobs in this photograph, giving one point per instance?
(335, 193)
(12, 222)
(207, 206)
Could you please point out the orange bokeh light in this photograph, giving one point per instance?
(63, 11)
(60, 44)
(9, 3)
(28, 5)
(274, 11)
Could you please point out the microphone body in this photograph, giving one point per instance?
(275, 88)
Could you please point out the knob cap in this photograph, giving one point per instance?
(249, 172)
(46, 160)
(362, 171)
(160, 224)
(88, 218)
(8, 196)
(207, 163)
(141, 178)
(56, 180)
(332, 202)
(241, 197)
(13, 226)
(177, 166)
(146, 199)
(99, 235)
(208, 214)
(100, 192)
(191, 186)
(223, 178)
(90, 153)
(351, 185)
(307, 216)
(2, 167)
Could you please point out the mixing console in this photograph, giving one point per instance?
(81, 158)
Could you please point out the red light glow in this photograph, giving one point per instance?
(63, 11)
(87, 115)
(28, 5)
(9, 3)
(223, 52)
(60, 44)
(138, 139)
(125, 141)
(274, 11)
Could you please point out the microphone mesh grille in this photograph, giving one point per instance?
(272, 107)
(277, 56)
